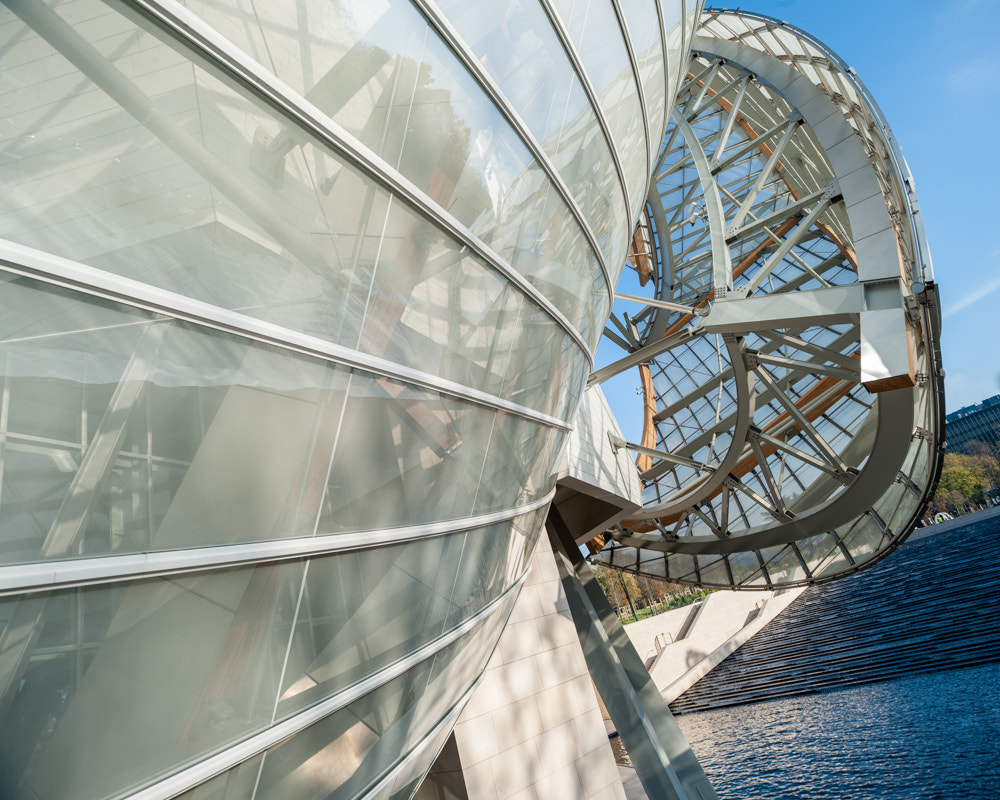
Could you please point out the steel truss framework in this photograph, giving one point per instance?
(788, 353)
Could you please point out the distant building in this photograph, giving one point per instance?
(979, 422)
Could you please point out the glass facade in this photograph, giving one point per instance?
(976, 423)
(299, 299)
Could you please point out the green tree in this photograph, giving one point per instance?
(967, 478)
(648, 590)
(611, 586)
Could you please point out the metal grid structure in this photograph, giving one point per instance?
(788, 437)
(299, 302)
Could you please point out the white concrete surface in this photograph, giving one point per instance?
(643, 633)
(719, 629)
(533, 729)
(589, 456)
(598, 483)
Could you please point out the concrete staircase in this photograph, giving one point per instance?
(933, 605)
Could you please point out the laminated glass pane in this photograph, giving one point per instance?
(782, 564)
(525, 536)
(713, 571)
(130, 432)
(384, 75)
(651, 562)
(222, 200)
(684, 567)
(200, 656)
(520, 464)
(583, 157)
(138, 162)
(678, 50)
(644, 32)
(745, 567)
(487, 568)
(897, 496)
(354, 747)
(816, 548)
(463, 153)
(863, 540)
(546, 369)
(519, 49)
(594, 30)
(832, 564)
(362, 611)
(349, 750)
(236, 782)
(437, 307)
(406, 456)
(627, 557)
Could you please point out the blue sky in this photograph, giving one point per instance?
(934, 68)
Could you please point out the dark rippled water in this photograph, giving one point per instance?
(927, 736)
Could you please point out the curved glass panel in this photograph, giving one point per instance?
(216, 656)
(177, 179)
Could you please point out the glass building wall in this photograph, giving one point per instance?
(299, 298)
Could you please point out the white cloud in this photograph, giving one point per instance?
(977, 294)
(972, 76)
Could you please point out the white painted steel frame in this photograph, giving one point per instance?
(923, 269)
(891, 449)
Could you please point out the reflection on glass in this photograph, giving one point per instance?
(362, 611)
(126, 432)
(236, 782)
(353, 748)
(406, 455)
(178, 180)
(519, 49)
(106, 687)
(215, 656)
(514, 464)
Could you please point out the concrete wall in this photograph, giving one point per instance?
(533, 730)
(720, 628)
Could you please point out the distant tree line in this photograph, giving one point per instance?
(968, 481)
(636, 593)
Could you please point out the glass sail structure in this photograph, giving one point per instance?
(299, 301)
